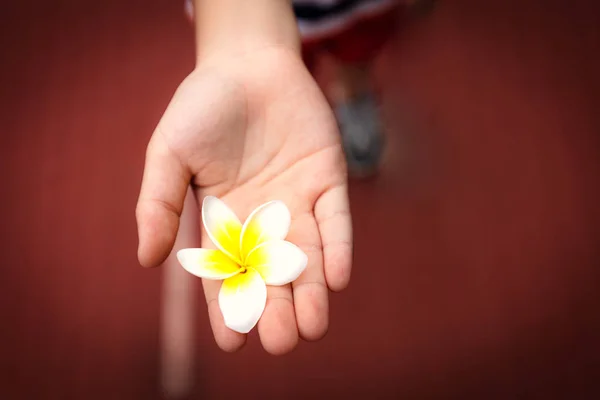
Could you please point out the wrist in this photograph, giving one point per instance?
(239, 27)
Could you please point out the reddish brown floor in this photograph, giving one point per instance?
(477, 250)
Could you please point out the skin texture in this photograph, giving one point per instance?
(250, 125)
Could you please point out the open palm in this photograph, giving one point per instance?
(251, 130)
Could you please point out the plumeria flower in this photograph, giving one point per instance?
(248, 257)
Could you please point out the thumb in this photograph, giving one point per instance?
(160, 203)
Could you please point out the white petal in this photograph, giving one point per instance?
(223, 226)
(242, 300)
(208, 264)
(271, 221)
(278, 262)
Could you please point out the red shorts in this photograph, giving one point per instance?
(357, 41)
(351, 35)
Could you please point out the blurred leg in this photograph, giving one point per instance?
(354, 39)
(178, 310)
(350, 90)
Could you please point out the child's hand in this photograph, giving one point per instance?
(249, 130)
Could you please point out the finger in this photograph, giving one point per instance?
(311, 299)
(160, 203)
(332, 211)
(226, 339)
(277, 327)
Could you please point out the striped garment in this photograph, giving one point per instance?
(319, 19)
(323, 18)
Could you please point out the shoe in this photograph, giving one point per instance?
(362, 136)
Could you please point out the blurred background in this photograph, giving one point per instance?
(477, 249)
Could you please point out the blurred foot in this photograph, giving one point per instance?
(358, 117)
(359, 122)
